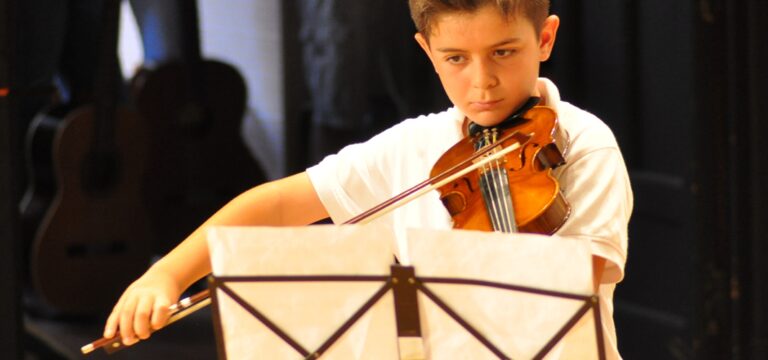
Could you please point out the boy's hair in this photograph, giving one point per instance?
(424, 12)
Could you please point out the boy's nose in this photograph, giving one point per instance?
(483, 76)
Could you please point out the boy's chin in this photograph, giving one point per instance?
(487, 119)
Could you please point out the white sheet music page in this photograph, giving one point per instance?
(518, 323)
(309, 312)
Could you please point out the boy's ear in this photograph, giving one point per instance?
(425, 46)
(547, 37)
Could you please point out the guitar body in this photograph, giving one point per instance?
(41, 182)
(95, 236)
(199, 161)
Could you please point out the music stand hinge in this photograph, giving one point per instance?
(406, 304)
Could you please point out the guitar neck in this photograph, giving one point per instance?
(190, 27)
(194, 69)
(108, 80)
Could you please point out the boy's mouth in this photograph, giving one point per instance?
(484, 105)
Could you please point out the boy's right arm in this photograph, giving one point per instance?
(143, 307)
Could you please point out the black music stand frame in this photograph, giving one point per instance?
(404, 285)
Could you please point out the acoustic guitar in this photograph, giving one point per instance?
(95, 236)
(199, 160)
(41, 182)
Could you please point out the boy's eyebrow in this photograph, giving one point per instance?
(509, 41)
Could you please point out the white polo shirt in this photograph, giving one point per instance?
(594, 180)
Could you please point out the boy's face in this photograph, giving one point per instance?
(488, 64)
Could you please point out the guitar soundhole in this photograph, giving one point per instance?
(101, 172)
(194, 119)
(95, 250)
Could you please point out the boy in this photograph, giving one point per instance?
(487, 55)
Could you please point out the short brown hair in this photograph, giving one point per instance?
(424, 12)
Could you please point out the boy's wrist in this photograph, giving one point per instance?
(160, 272)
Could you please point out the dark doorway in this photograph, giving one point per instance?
(678, 82)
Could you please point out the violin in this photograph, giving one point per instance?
(494, 179)
(516, 193)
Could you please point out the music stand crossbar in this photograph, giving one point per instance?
(405, 284)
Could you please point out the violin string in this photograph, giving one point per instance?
(503, 184)
(501, 208)
(495, 204)
(479, 145)
(498, 201)
(493, 186)
(510, 206)
(489, 187)
(502, 194)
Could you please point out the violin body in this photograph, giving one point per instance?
(537, 203)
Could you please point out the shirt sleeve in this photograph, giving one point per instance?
(596, 185)
(358, 177)
(363, 175)
(339, 172)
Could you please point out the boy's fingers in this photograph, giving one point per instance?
(141, 317)
(126, 321)
(111, 327)
(160, 314)
(130, 341)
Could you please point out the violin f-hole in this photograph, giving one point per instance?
(455, 202)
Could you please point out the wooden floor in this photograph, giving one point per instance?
(190, 338)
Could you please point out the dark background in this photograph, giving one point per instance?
(680, 84)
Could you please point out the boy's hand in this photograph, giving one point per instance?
(143, 308)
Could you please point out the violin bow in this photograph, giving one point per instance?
(203, 298)
(179, 310)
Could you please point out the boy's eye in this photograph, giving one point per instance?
(456, 59)
(503, 52)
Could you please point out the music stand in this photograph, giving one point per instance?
(341, 296)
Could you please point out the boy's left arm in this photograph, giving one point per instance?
(596, 185)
